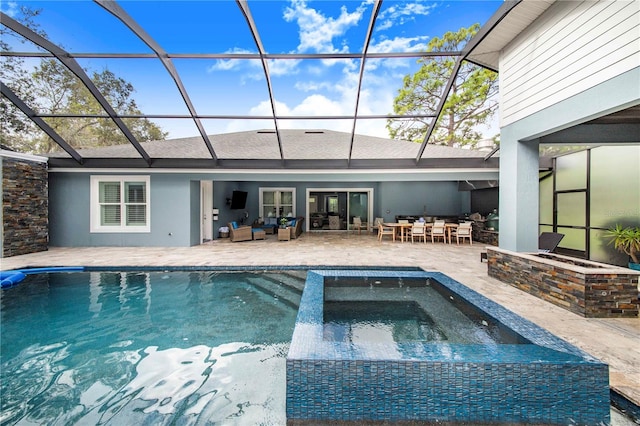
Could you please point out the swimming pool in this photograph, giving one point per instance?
(528, 377)
(147, 347)
(153, 346)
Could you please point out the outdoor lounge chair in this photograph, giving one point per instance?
(239, 233)
(548, 242)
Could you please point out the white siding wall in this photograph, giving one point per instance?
(573, 46)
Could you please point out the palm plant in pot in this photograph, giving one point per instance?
(627, 240)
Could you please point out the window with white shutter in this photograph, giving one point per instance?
(120, 204)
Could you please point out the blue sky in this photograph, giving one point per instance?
(237, 87)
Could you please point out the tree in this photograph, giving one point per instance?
(51, 88)
(60, 92)
(15, 125)
(471, 101)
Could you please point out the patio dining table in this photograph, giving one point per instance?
(401, 229)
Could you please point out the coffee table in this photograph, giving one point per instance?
(284, 234)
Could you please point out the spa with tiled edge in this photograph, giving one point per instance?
(538, 378)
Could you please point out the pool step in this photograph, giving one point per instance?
(291, 279)
(275, 288)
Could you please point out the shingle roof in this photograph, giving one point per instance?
(296, 145)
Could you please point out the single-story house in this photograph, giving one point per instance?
(569, 75)
(175, 207)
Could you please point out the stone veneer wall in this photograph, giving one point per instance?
(25, 206)
(590, 289)
(486, 237)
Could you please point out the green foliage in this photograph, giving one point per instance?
(12, 74)
(50, 88)
(626, 240)
(471, 101)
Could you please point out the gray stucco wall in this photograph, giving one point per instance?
(69, 213)
(399, 198)
(175, 206)
(412, 198)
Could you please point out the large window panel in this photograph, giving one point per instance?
(571, 171)
(543, 228)
(359, 206)
(574, 239)
(277, 202)
(546, 201)
(615, 174)
(109, 195)
(572, 209)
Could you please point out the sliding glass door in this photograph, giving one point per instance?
(359, 206)
(330, 209)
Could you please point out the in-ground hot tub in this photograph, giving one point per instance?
(493, 366)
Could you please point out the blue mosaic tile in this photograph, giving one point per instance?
(545, 380)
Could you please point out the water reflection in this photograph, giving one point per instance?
(144, 349)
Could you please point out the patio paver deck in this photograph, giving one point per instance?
(614, 341)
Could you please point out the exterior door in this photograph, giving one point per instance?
(206, 210)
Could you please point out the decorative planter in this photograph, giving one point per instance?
(587, 288)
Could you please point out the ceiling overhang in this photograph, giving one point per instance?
(232, 164)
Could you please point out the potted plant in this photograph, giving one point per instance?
(283, 222)
(627, 240)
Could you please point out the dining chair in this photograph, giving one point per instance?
(357, 224)
(418, 230)
(438, 231)
(385, 230)
(463, 231)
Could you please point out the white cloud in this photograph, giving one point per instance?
(318, 33)
(312, 86)
(399, 44)
(234, 64)
(278, 67)
(319, 105)
(401, 13)
(331, 93)
(264, 108)
(313, 105)
(10, 8)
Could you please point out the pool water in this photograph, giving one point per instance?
(406, 310)
(147, 348)
(377, 321)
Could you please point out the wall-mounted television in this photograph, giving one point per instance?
(238, 200)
